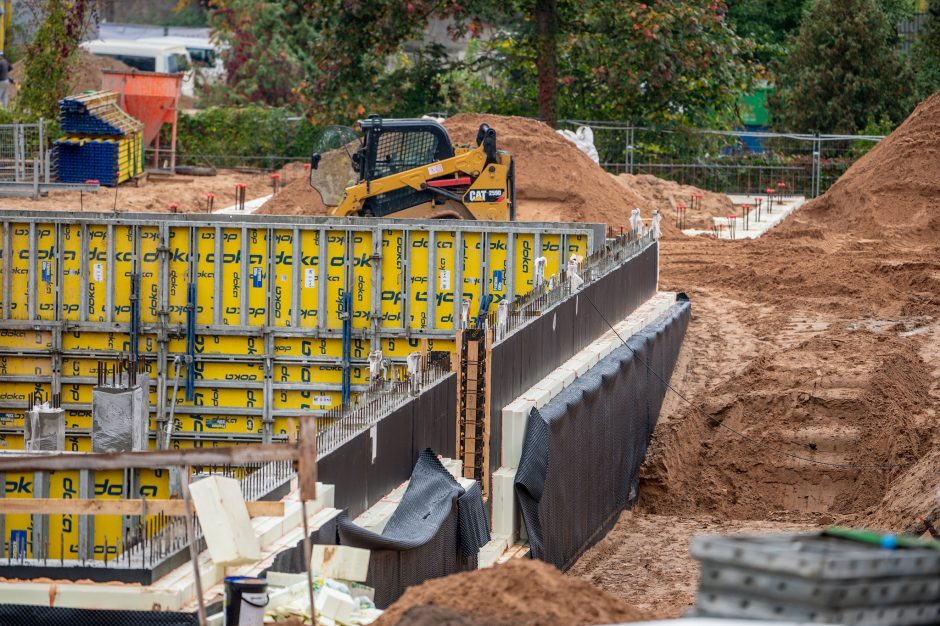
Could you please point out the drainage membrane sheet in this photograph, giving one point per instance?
(582, 451)
(28, 615)
(437, 529)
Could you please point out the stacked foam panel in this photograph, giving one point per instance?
(103, 143)
(816, 579)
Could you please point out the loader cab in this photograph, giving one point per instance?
(390, 147)
(384, 148)
(393, 146)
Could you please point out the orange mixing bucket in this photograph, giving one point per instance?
(152, 98)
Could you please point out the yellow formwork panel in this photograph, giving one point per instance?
(309, 274)
(392, 265)
(47, 265)
(283, 278)
(72, 264)
(178, 248)
(97, 271)
(361, 281)
(205, 275)
(443, 280)
(418, 281)
(267, 310)
(257, 280)
(19, 339)
(19, 256)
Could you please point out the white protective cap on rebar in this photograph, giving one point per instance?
(464, 313)
(414, 363)
(655, 229)
(636, 222)
(540, 263)
(375, 364)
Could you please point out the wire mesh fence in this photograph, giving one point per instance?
(741, 161)
(24, 153)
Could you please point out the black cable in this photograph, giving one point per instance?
(736, 432)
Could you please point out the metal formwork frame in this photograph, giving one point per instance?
(163, 331)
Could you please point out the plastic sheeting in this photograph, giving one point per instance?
(44, 429)
(437, 530)
(120, 418)
(582, 452)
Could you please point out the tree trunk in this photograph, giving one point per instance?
(546, 32)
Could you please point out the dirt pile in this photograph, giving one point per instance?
(892, 191)
(85, 74)
(555, 181)
(520, 593)
(296, 197)
(665, 195)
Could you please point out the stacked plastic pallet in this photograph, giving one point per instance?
(826, 578)
(102, 143)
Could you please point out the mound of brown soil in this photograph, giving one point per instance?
(85, 74)
(555, 181)
(665, 195)
(296, 197)
(892, 191)
(520, 593)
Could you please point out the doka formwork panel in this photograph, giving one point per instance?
(268, 331)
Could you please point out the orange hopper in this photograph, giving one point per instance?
(152, 98)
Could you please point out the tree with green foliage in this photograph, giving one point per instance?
(844, 72)
(769, 23)
(927, 53)
(332, 60)
(663, 61)
(51, 54)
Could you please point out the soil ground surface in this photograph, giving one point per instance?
(155, 194)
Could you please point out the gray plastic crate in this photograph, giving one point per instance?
(814, 556)
(819, 593)
(724, 604)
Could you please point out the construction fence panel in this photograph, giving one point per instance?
(582, 451)
(537, 348)
(728, 161)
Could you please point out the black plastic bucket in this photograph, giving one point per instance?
(245, 600)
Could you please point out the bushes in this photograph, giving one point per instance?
(236, 133)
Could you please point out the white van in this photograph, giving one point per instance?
(205, 55)
(146, 56)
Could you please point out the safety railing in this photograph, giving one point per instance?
(554, 289)
(383, 397)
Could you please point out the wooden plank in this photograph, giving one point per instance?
(307, 461)
(149, 459)
(63, 506)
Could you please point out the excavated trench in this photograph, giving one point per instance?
(801, 429)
